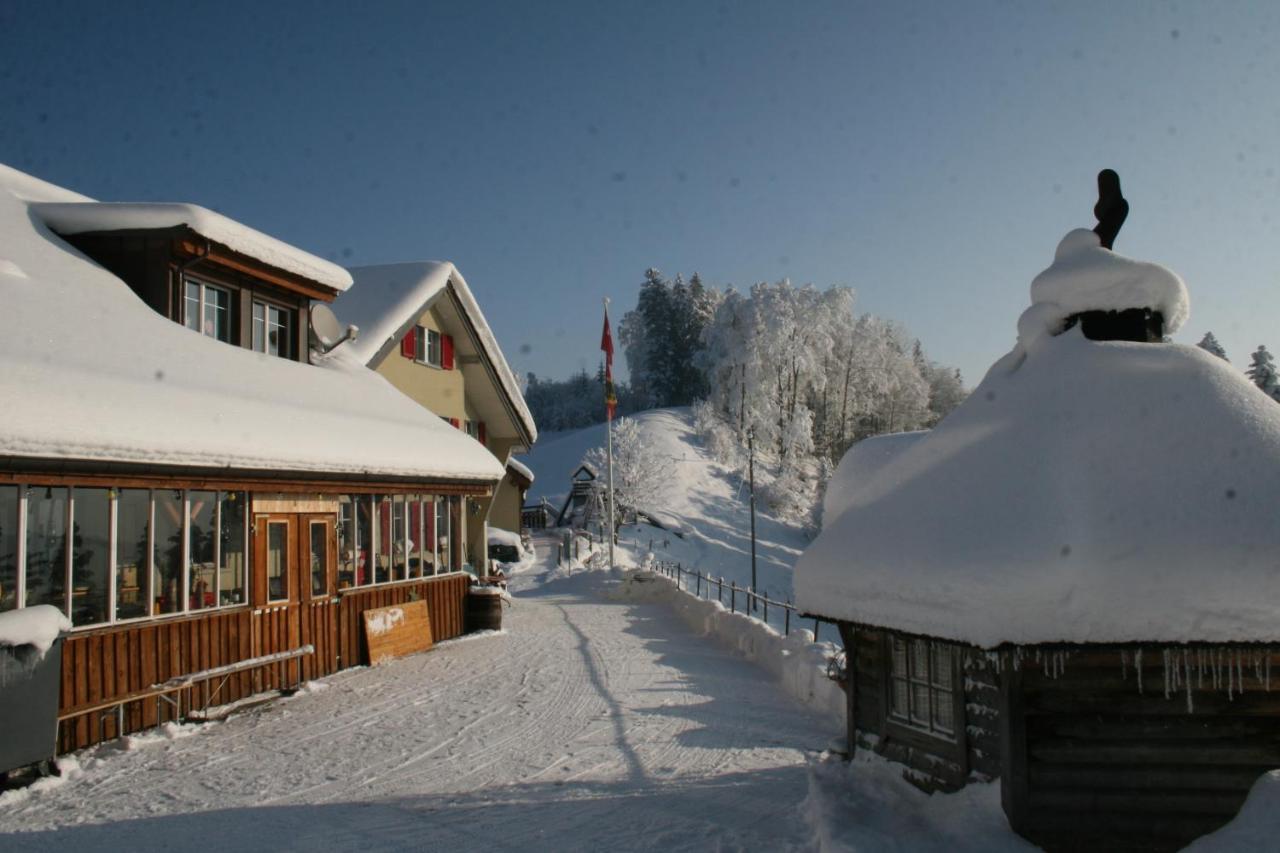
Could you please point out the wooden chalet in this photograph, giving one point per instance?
(423, 331)
(211, 500)
(1068, 585)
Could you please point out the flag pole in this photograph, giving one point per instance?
(608, 429)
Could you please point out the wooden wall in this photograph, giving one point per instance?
(977, 753)
(1095, 764)
(446, 598)
(101, 664)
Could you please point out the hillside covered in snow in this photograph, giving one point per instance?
(706, 503)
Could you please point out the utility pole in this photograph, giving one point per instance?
(751, 467)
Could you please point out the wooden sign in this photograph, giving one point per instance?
(401, 629)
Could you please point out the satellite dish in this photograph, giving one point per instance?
(326, 331)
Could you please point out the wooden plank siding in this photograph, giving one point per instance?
(100, 664)
(1101, 765)
(928, 768)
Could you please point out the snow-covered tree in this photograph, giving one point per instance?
(1210, 344)
(640, 473)
(1262, 370)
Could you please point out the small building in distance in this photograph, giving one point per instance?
(581, 506)
(422, 329)
(1070, 583)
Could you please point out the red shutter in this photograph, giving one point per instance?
(409, 344)
(446, 352)
(455, 423)
(480, 431)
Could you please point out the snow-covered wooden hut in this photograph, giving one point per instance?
(184, 477)
(1073, 582)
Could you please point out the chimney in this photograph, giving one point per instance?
(1141, 325)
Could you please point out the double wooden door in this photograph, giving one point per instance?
(293, 588)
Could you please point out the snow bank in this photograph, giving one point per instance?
(867, 804)
(35, 626)
(149, 391)
(1086, 277)
(796, 660)
(498, 536)
(1256, 827)
(1084, 492)
(388, 299)
(89, 216)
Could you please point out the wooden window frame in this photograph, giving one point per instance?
(954, 747)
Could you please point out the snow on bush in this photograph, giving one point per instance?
(796, 660)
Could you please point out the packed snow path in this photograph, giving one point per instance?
(588, 724)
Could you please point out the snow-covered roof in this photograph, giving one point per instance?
(82, 217)
(91, 373)
(389, 298)
(520, 468)
(1085, 492)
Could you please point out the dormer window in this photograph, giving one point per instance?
(272, 329)
(207, 309)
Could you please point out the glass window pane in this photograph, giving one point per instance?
(231, 547)
(364, 540)
(259, 327)
(217, 313)
(382, 538)
(319, 559)
(429, 559)
(166, 581)
(920, 659)
(920, 703)
(277, 560)
(90, 556)
(943, 712)
(47, 546)
(8, 547)
(203, 582)
(133, 514)
(399, 546)
(901, 703)
(191, 305)
(279, 338)
(346, 543)
(941, 665)
(415, 536)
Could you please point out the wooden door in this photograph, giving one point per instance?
(318, 552)
(276, 595)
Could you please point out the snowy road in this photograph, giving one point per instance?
(589, 724)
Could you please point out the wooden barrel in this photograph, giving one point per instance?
(484, 609)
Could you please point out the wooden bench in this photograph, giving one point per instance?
(164, 691)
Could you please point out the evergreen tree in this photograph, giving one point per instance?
(1210, 344)
(1262, 370)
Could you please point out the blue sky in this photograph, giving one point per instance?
(929, 155)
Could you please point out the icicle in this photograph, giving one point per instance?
(1124, 664)
(1239, 672)
(1165, 655)
(1137, 667)
(1186, 667)
(1230, 676)
(1266, 670)
(1200, 667)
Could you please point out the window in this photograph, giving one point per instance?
(319, 558)
(277, 560)
(427, 346)
(47, 546)
(90, 555)
(167, 547)
(203, 531)
(922, 692)
(346, 542)
(272, 329)
(232, 546)
(8, 547)
(207, 310)
(133, 521)
(472, 429)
